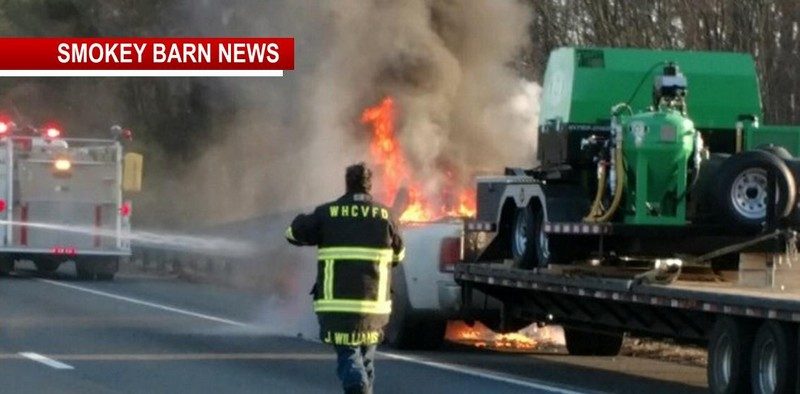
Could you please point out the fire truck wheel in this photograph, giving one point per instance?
(773, 360)
(100, 268)
(106, 268)
(742, 188)
(6, 265)
(589, 343)
(84, 273)
(46, 265)
(729, 350)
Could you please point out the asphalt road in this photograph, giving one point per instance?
(146, 334)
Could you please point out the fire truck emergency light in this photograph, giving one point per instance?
(4, 128)
(125, 209)
(52, 133)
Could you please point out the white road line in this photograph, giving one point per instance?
(147, 303)
(45, 360)
(513, 380)
(523, 382)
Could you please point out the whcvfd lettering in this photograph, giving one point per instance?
(357, 211)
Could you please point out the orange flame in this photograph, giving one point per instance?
(480, 336)
(395, 173)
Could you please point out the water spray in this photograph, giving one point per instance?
(159, 240)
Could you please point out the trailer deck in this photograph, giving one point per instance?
(552, 295)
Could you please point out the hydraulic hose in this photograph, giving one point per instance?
(597, 204)
(619, 167)
(597, 214)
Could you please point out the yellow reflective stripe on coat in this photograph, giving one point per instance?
(327, 285)
(355, 253)
(290, 234)
(383, 281)
(399, 256)
(353, 306)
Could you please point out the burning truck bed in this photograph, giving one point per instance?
(427, 300)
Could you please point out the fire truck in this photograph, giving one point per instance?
(63, 199)
(662, 207)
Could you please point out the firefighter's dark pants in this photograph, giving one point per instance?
(356, 367)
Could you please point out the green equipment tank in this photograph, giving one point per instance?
(651, 155)
(657, 147)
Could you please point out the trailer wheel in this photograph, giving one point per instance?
(729, 353)
(773, 361)
(590, 343)
(532, 247)
(522, 239)
(742, 188)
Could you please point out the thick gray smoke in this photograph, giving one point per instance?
(460, 104)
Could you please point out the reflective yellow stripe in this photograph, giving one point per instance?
(400, 256)
(289, 234)
(355, 253)
(383, 281)
(327, 292)
(353, 306)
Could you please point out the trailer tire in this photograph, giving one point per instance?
(590, 343)
(523, 247)
(729, 350)
(773, 359)
(532, 247)
(740, 193)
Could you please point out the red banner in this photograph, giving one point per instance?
(153, 57)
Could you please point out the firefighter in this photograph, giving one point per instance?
(358, 242)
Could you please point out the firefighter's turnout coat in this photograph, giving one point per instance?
(358, 243)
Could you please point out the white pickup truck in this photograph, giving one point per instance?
(425, 295)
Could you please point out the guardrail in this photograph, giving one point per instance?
(193, 266)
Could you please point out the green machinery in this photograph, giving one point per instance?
(648, 150)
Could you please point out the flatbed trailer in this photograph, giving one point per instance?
(684, 309)
(749, 322)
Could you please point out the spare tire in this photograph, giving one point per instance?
(794, 166)
(741, 192)
(776, 150)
